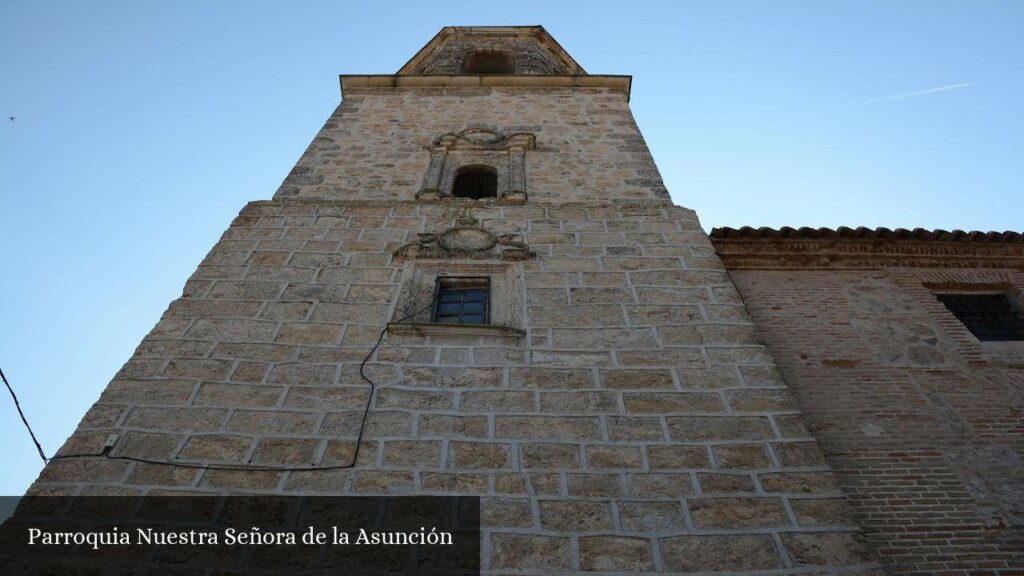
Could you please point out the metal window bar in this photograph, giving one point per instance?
(463, 300)
(989, 317)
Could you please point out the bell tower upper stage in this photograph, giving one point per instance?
(505, 100)
(519, 50)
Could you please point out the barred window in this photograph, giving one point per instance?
(463, 301)
(476, 183)
(990, 317)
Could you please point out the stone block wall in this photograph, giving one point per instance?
(376, 144)
(921, 421)
(636, 424)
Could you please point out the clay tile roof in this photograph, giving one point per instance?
(862, 233)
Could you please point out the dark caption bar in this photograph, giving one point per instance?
(228, 535)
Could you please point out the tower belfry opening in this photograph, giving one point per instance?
(477, 182)
(488, 62)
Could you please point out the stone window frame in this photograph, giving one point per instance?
(502, 152)
(418, 292)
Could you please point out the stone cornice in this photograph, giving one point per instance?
(616, 83)
(460, 202)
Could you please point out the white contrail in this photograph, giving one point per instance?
(901, 96)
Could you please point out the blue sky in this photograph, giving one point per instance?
(142, 127)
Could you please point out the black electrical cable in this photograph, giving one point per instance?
(23, 419)
(252, 467)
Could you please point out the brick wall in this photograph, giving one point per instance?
(922, 423)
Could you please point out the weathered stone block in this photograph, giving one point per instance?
(480, 455)
(412, 453)
(453, 426)
(651, 485)
(226, 329)
(324, 398)
(693, 428)
(742, 456)
(632, 429)
(309, 333)
(737, 512)
(186, 419)
(506, 512)
(614, 554)
(288, 451)
(672, 402)
(614, 457)
(637, 379)
(824, 548)
(652, 516)
(799, 482)
(575, 515)
(677, 456)
(596, 402)
(498, 401)
(417, 399)
(237, 395)
(547, 427)
(216, 447)
(272, 422)
(165, 392)
(526, 552)
(731, 552)
(557, 456)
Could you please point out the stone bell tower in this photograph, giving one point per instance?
(556, 336)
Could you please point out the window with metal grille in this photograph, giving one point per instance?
(990, 317)
(488, 62)
(463, 301)
(476, 183)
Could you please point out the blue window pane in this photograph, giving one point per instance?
(475, 296)
(448, 319)
(451, 296)
(448, 308)
(473, 319)
(473, 308)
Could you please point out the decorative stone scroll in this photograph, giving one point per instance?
(466, 242)
(482, 146)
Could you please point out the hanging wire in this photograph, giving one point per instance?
(250, 467)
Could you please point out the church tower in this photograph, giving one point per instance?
(474, 282)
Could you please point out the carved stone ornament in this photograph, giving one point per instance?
(478, 145)
(465, 242)
(485, 138)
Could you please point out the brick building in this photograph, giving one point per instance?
(905, 350)
(546, 330)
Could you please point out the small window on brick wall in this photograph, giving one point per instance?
(463, 301)
(990, 317)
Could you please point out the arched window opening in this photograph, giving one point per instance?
(488, 62)
(476, 183)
